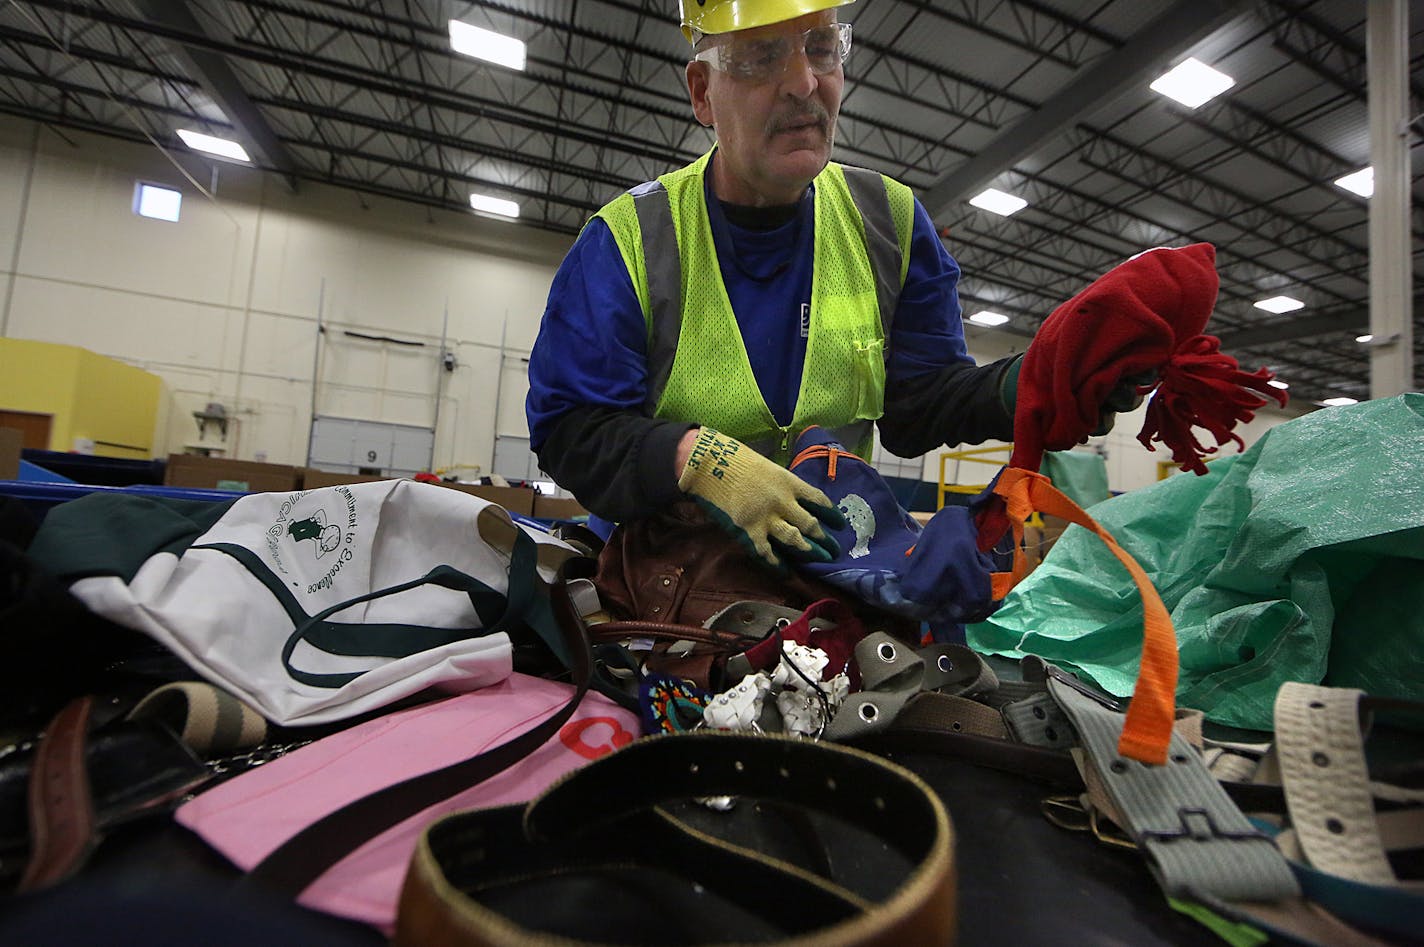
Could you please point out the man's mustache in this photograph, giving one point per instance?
(815, 113)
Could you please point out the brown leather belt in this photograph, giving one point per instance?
(609, 816)
(62, 820)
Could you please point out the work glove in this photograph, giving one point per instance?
(771, 511)
(1126, 396)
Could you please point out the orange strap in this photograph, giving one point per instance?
(826, 451)
(1153, 706)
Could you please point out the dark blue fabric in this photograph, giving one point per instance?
(768, 278)
(1386, 909)
(601, 354)
(933, 573)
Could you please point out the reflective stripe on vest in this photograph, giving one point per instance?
(664, 267)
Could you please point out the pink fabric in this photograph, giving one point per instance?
(247, 817)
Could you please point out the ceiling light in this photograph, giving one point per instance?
(494, 205)
(1279, 304)
(1192, 83)
(1359, 182)
(988, 317)
(486, 44)
(997, 202)
(1277, 383)
(1338, 402)
(222, 147)
(160, 203)
(1362, 339)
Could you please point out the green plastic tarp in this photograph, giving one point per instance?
(1081, 475)
(1301, 559)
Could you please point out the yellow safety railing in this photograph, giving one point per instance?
(975, 455)
(995, 457)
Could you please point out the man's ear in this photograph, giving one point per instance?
(697, 83)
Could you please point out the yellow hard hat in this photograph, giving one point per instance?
(726, 16)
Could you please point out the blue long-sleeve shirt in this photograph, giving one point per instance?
(588, 369)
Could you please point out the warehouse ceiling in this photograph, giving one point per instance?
(1044, 99)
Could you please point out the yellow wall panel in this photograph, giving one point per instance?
(90, 396)
(40, 377)
(115, 406)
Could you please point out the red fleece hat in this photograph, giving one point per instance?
(1144, 316)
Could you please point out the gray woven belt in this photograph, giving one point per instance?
(1197, 842)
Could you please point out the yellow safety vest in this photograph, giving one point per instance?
(698, 369)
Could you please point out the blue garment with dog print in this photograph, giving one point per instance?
(933, 573)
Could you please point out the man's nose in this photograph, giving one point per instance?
(799, 79)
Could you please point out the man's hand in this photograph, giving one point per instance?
(770, 510)
(1127, 395)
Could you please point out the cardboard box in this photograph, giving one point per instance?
(1039, 539)
(220, 473)
(557, 508)
(313, 479)
(514, 499)
(1053, 528)
(11, 442)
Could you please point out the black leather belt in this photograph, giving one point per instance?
(492, 876)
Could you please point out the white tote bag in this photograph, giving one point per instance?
(318, 605)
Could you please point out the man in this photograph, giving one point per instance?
(701, 321)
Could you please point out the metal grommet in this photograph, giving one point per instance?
(739, 766)
(1050, 734)
(945, 664)
(1118, 766)
(868, 712)
(783, 623)
(666, 581)
(885, 651)
(1039, 713)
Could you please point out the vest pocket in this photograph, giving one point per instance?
(869, 365)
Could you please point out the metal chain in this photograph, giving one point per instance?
(252, 758)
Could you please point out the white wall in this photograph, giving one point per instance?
(223, 305)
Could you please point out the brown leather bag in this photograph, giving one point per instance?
(678, 568)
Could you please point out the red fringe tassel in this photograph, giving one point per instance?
(1201, 386)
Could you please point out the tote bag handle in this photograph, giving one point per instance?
(497, 612)
(1152, 710)
(300, 860)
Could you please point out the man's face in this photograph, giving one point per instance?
(775, 135)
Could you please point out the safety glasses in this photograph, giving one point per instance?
(757, 60)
